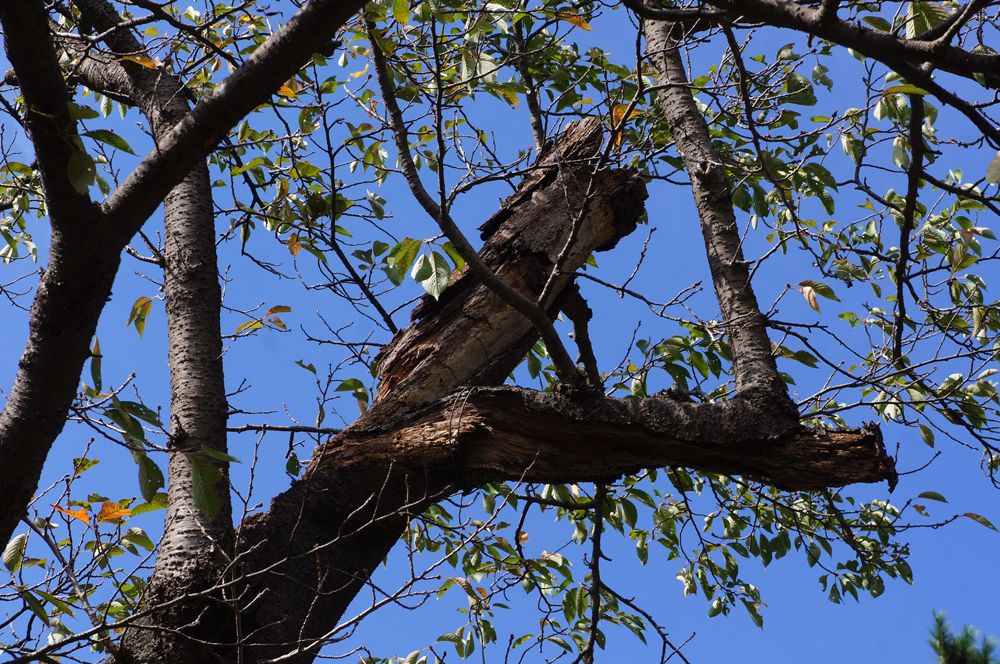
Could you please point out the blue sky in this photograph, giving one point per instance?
(951, 565)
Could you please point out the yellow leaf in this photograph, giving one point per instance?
(278, 309)
(249, 325)
(277, 321)
(293, 244)
(360, 73)
(574, 19)
(282, 188)
(286, 91)
(141, 59)
(620, 111)
(810, 296)
(111, 511)
(921, 510)
(80, 514)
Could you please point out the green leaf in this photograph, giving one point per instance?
(216, 454)
(993, 170)
(307, 367)
(559, 641)
(422, 269)
(905, 89)
(449, 249)
(250, 325)
(140, 411)
(139, 537)
(139, 313)
(81, 464)
(204, 476)
(158, 502)
(853, 147)
(932, 495)
(900, 156)
(878, 23)
(77, 112)
(13, 554)
(821, 289)
(105, 136)
(787, 52)
(81, 170)
(34, 605)
(350, 385)
(292, 465)
(150, 476)
(437, 281)
(800, 90)
(401, 12)
(402, 255)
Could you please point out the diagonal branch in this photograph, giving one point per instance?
(753, 361)
(535, 313)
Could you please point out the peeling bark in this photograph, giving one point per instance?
(307, 557)
(431, 357)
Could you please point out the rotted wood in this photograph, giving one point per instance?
(440, 424)
(575, 435)
(469, 336)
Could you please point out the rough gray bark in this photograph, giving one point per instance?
(196, 548)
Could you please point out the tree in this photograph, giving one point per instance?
(952, 649)
(274, 585)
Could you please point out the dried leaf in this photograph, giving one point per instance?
(810, 294)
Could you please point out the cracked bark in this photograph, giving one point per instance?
(307, 557)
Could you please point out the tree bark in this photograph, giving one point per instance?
(87, 239)
(196, 548)
(523, 241)
(306, 558)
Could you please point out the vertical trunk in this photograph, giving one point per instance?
(746, 326)
(196, 548)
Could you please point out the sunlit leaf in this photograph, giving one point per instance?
(573, 19)
(13, 554)
(141, 59)
(111, 511)
(810, 294)
(80, 514)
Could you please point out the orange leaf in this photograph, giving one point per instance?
(277, 321)
(279, 309)
(80, 514)
(286, 91)
(574, 19)
(110, 511)
(293, 244)
(141, 59)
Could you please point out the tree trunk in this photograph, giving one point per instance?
(306, 558)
